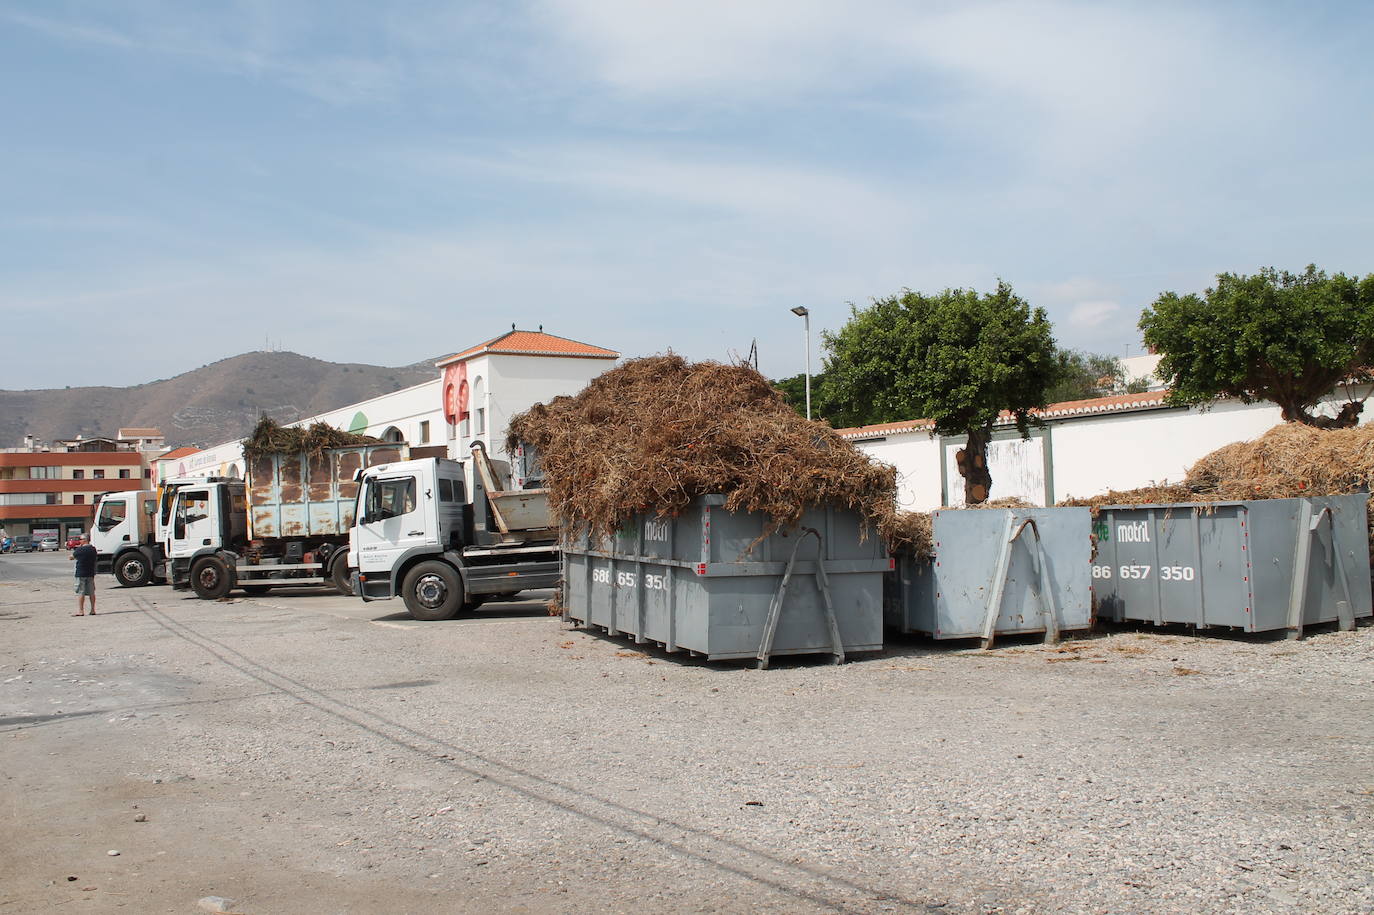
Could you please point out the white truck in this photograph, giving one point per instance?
(130, 532)
(286, 524)
(445, 535)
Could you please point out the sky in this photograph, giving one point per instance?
(385, 182)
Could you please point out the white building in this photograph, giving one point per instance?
(485, 385)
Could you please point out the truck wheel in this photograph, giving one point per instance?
(131, 570)
(338, 573)
(210, 578)
(433, 591)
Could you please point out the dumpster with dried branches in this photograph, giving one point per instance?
(1268, 534)
(660, 442)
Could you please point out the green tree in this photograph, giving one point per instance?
(956, 358)
(1080, 376)
(793, 390)
(1283, 337)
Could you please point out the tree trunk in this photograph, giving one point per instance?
(1347, 418)
(973, 466)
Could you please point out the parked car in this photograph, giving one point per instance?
(23, 543)
(47, 542)
(73, 541)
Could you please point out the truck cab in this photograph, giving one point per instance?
(130, 532)
(125, 536)
(434, 533)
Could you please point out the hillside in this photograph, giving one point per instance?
(212, 404)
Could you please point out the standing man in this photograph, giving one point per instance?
(84, 556)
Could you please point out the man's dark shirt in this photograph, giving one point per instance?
(85, 560)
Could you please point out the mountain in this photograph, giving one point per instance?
(212, 404)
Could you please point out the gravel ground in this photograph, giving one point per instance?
(303, 752)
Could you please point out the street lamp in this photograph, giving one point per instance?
(801, 312)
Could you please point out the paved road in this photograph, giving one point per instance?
(31, 566)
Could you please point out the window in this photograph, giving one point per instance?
(124, 473)
(424, 432)
(481, 421)
(28, 498)
(98, 474)
(147, 473)
(78, 499)
(78, 474)
(111, 514)
(450, 490)
(192, 506)
(389, 499)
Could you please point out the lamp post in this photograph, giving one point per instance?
(801, 312)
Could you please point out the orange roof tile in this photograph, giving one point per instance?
(532, 343)
(139, 432)
(178, 453)
(1117, 403)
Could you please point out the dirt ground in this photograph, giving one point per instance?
(304, 752)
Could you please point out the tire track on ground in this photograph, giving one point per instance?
(758, 866)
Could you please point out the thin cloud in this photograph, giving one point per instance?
(169, 31)
(1093, 314)
(787, 195)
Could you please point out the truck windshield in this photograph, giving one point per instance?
(389, 498)
(168, 497)
(111, 514)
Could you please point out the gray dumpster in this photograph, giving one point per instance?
(694, 583)
(997, 572)
(1256, 565)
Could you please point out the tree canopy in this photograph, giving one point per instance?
(1279, 336)
(956, 358)
(1080, 376)
(793, 390)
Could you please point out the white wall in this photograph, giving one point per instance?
(916, 456)
(1126, 450)
(405, 409)
(1017, 467)
(1087, 454)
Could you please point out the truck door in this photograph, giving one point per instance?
(196, 522)
(393, 518)
(112, 524)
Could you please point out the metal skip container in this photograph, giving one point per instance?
(309, 494)
(997, 572)
(698, 582)
(1257, 565)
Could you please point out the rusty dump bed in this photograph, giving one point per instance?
(309, 495)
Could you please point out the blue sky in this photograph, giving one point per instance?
(381, 182)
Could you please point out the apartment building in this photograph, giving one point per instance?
(55, 485)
